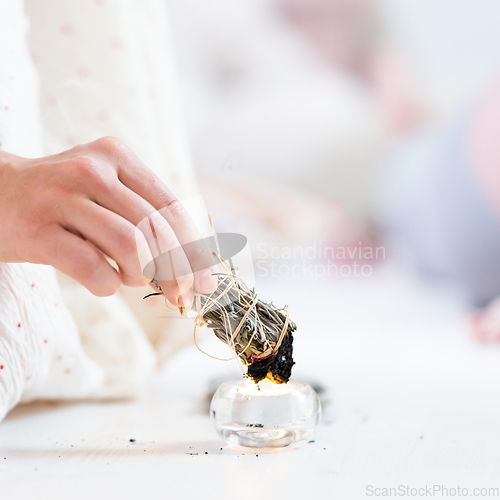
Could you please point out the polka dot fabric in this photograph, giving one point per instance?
(71, 72)
(31, 331)
(105, 68)
(20, 131)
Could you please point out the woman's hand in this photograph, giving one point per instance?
(70, 210)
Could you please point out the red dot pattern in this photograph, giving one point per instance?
(66, 29)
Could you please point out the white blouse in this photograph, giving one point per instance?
(71, 72)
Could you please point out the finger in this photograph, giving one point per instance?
(195, 247)
(170, 264)
(77, 258)
(172, 269)
(185, 300)
(112, 234)
(143, 182)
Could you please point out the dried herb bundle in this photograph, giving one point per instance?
(258, 333)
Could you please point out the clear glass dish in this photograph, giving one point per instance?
(265, 415)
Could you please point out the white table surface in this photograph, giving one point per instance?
(409, 400)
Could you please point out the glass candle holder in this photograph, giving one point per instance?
(265, 415)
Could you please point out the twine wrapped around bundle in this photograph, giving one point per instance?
(259, 334)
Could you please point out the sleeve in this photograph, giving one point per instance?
(44, 353)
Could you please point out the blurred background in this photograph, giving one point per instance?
(347, 123)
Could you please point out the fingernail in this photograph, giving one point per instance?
(208, 282)
(186, 299)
